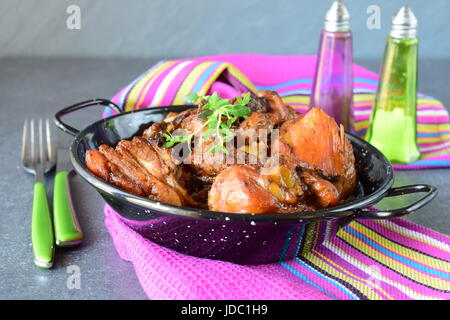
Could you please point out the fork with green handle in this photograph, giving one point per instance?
(41, 221)
(67, 228)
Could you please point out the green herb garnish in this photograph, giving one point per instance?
(220, 115)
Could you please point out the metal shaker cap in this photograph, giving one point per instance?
(337, 18)
(404, 24)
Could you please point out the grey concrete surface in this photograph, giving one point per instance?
(174, 28)
(33, 88)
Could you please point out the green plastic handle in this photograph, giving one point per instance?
(42, 229)
(67, 229)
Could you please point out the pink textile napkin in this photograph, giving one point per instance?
(166, 274)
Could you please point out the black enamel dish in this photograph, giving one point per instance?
(239, 238)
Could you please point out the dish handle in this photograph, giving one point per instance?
(431, 192)
(81, 105)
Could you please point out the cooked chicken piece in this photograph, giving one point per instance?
(205, 163)
(146, 155)
(158, 162)
(128, 166)
(281, 111)
(259, 121)
(97, 164)
(202, 162)
(239, 189)
(173, 121)
(125, 171)
(171, 116)
(118, 178)
(280, 176)
(325, 192)
(268, 111)
(249, 189)
(317, 140)
(165, 193)
(258, 104)
(208, 165)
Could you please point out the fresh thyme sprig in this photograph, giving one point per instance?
(220, 115)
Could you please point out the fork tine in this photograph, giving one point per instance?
(33, 147)
(42, 157)
(51, 152)
(25, 142)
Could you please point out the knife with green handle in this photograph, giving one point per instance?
(67, 228)
(41, 228)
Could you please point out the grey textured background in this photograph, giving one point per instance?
(183, 28)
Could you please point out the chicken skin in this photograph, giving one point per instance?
(138, 170)
(240, 189)
(317, 140)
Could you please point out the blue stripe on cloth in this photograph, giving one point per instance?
(307, 92)
(299, 241)
(310, 80)
(363, 90)
(204, 77)
(298, 274)
(361, 133)
(431, 163)
(285, 84)
(292, 92)
(364, 80)
(336, 284)
(436, 134)
(287, 241)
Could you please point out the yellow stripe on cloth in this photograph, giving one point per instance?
(241, 77)
(296, 99)
(140, 89)
(431, 127)
(190, 81)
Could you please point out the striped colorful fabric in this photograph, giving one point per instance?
(291, 76)
(377, 260)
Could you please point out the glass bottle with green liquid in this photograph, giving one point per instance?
(393, 126)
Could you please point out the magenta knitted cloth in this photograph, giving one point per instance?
(166, 274)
